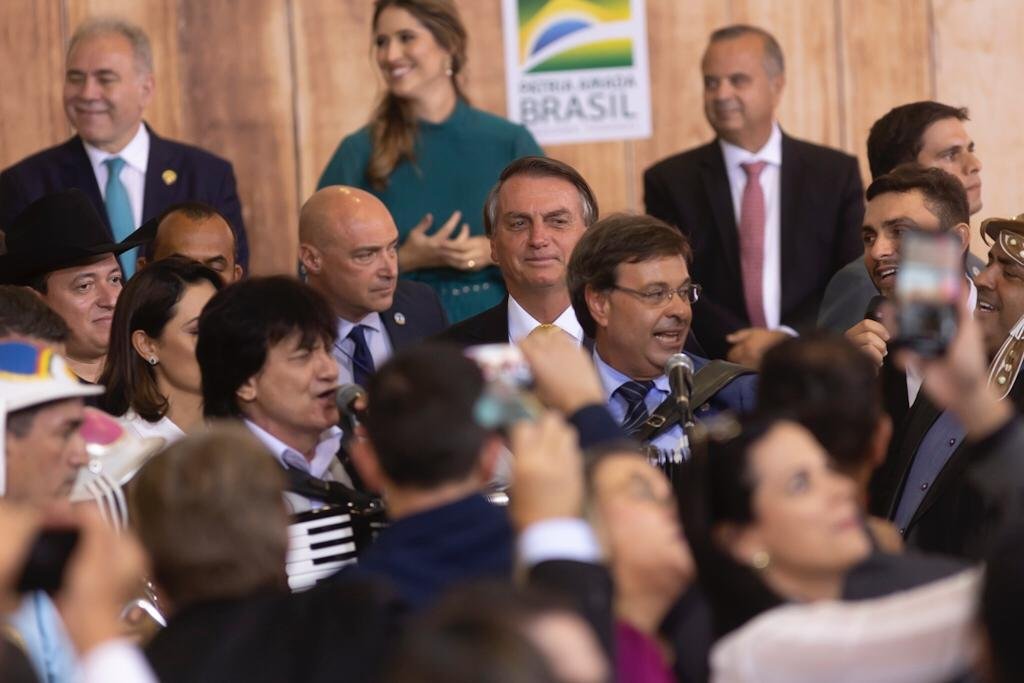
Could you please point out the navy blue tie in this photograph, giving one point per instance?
(362, 360)
(634, 393)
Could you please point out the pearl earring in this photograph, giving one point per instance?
(448, 71)
(153, 360)
(761, 560)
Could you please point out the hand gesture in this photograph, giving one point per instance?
(547, 471)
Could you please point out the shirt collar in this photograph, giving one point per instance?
(323, 454)
(135, 153)
(521, 323)
(771, 152)
(612, 379)
(371, 321)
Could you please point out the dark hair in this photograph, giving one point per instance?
(196, 212)
(540, 167)
(24, 314)
(717, 489)
(147, 303)
(775, 63)
(833, 389)
(944, 195)
(1002, 601)
(210, 514)
(897, 137)
(393, 125)
(241, 323)
(421, 416)
(619, 238)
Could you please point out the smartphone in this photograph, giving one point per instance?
(928, 288)
(47, 558)
(506, 398)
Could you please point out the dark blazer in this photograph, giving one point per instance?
(415, 314)
(822, 207)
(200, 176)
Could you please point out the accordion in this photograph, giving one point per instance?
(322, 541)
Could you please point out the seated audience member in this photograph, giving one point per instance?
(151, 374)
(430, 460)
(634, 512)
(533, 217)
(264, 355)
(59, 247)
(492, 633)
(209, 512)
(630, 285)
(931, 135)
(198, 231)
(348, 246)
(24, 316)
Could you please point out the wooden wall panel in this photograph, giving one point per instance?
(32, 52)
(237, 64)
(886, 60)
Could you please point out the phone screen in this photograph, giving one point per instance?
(928, 287)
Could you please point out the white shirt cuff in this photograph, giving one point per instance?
(565, 538)
(116, 660)
(788, 330)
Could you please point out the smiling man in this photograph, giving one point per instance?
(128, 172)
(1001, 285)
(348, 246)
(60, 248)
(629, 281)
(534, 216)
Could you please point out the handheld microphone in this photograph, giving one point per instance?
(351, 402)
(679, 369)
(874, 309)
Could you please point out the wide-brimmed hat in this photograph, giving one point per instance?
(58, 231)
(1007, 233)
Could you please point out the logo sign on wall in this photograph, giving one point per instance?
(576, 70)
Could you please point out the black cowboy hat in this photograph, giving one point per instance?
(58, 231)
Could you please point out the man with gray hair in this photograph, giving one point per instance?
(129, 172)
(770, 218)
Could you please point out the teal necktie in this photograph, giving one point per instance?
(119, 211)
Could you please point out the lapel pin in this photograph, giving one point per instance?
(169, 177)
(400, 318)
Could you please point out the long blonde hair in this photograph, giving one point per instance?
(393, 125)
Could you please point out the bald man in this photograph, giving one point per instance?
(348, 246)
(198, 231)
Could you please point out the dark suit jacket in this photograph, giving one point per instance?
(201, 176)
(415, 314)
(822, 206)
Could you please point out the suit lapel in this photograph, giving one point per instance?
(716, 186)
(77, 172)
(492, 325)
(790, 187)
(920, 418)
(159, 194)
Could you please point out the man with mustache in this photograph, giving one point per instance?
(770, 218)
(629, 281)
(1000, 311)
(129, 173)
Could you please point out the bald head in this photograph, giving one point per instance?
(199, 233)
(348, 244)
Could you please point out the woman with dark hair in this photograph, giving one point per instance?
(429, 155)
(151, 375)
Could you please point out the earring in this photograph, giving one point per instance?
(448, 70)
(761, 560)
(152, 360)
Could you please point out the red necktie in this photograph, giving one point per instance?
(752, 242)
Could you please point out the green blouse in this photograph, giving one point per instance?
(457, 162)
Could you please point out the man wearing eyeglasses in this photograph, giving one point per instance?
(629, 282)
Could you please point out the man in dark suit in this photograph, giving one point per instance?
(534, 215)
(198, 231)
(348, 246)
(770, 218)
(930, 134)
(130, 173)
(630, 286)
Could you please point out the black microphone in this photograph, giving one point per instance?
(679, 369)
(351, 402)
(874, 309)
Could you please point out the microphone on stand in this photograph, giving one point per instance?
(679, 369)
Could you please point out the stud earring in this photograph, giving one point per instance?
(761, 560)
(448, 70)
(152, 360)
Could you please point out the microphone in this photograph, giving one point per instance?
(351, 402)
(679, 369)
(874, 309)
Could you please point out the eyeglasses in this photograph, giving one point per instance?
(662, 295)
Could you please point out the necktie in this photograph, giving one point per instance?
(634, 393)
(362, 361)
(119, 211)
(751, 228)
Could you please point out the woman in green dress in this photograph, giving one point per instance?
(430, 156)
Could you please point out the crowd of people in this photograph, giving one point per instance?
(487, 433)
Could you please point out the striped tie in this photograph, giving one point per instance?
(634, 393)
(119, 211)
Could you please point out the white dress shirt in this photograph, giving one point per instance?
(133, 173)
(771, 186)
(377, 340)
(116, 660)
(143, 428)
(521, 323)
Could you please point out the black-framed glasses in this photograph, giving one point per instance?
(659, 296)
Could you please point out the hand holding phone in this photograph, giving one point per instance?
(928, 291)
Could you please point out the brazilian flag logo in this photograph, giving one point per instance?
(562, 35)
